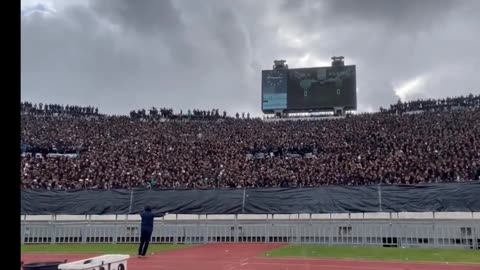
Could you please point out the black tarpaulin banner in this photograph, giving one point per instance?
(455, 197)
(211, 201)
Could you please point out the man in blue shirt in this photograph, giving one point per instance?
(147, 229)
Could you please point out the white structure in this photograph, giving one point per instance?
(403, 229)
(180, 218)
(105, 262)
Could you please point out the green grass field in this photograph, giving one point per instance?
(96, 248)
(377, 254)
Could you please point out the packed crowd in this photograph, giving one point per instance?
(164, 113)
(121, 152)
(432, 105)
(57, 109)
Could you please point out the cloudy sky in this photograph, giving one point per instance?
(123, 54)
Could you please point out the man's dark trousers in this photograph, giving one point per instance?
(145, 237)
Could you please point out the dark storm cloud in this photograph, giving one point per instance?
(149, 19)
(121, 55)
(394, 42)
(230, 36)
(146, 16)
(405, 15)
(61, 64)
(105, 58)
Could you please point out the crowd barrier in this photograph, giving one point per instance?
(447, 197)
(429, 229)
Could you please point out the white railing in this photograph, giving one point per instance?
(264, 217)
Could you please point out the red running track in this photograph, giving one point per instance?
(244, 257)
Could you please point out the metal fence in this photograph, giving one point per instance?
(463, 234)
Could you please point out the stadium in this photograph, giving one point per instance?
(327, 187)
(301, 174)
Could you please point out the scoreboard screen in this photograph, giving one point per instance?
(309, 89)
(274, 89)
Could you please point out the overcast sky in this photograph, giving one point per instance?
(124, 54)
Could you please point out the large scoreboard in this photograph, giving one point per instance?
(309, 89)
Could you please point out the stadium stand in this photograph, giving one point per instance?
(75, 147)
(447, 104)
(419, 142)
